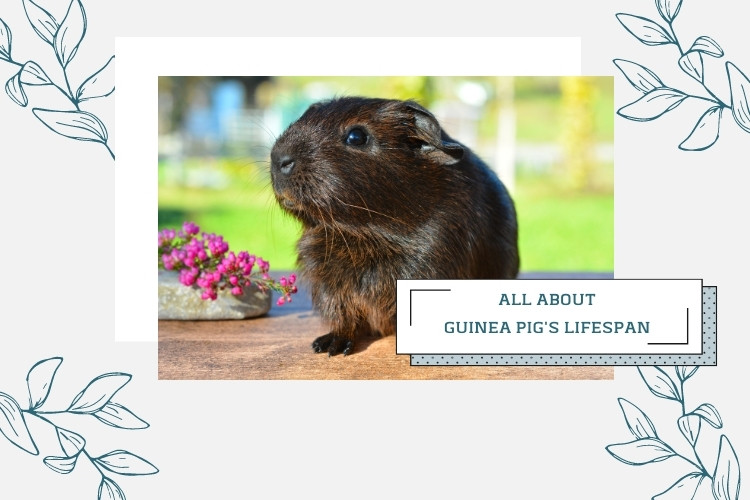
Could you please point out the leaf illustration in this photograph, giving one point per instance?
(119, 416)
(641, 451)
(659, 383)
(640, 77)
(79, 125)
(14, 89)
(692, 64)
(710, 414)
(704, 135)
(690, 426)
(645, 30)
(71, 31)
(98, 392)
(39, 381)
(638, 423)
(70, 442)
(652, 105)
(708, 46)
(685, 372)
(726, 483)
(108, 490)
(41, 20)
(13, 426)
(6, 37)
(100, 84)
(668, 9)
(739, 87)
(63, 465)
(33, 74)
(683, 489)
(125, 463)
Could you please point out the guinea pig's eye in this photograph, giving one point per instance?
(356, 137)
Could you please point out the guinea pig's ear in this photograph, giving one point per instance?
(430, 135)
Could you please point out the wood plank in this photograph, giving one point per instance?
(277, 346)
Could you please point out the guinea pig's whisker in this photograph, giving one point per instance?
(366, 209)
(325, 233)
(343, 237)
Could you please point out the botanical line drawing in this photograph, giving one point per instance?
(65, 39)
(659, 98)
(719, 479)
(94, 400)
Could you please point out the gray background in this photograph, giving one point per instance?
(678, 215)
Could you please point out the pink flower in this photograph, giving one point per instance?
(204, 260)
(190, 228)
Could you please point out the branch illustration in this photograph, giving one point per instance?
(700, 483)
(659, 98)
(95, 400)
(65, 39)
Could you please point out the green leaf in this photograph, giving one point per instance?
(703, 136)
(70, 442)
(125, 463)
(726, 482)
(62, 465)
(33, 74)
(638, 423)
(41, 20)
(120, 417)
(13, 426)
(739, 87)
(98, 392)
(685, 372)
(710, 414)
(100, 84)
(652, 105)
(684, 489)
(659, 383)
(645, 30)
(6, 37)
(640, 77)
(14, 89)
(108, 490)
(39, 381)
(690, 427)
(641, 451)
(71, 32)
(79, 125)
(692, 64)
(707, 46)
(668, 9)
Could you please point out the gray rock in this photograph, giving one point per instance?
(177, 301)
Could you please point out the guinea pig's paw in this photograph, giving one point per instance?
(333, 344)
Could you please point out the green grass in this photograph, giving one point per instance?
(245, 213)
(564, 232)
(558, 230)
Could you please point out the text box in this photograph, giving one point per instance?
(549, 316)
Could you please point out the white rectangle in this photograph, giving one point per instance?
(549, 317)
(140, 61)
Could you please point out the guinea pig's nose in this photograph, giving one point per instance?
(285, 164)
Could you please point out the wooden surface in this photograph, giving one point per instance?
(277, 346)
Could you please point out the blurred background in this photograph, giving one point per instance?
(549, 138)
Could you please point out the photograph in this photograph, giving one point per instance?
(290, 206)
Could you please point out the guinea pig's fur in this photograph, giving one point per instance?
(383, 193)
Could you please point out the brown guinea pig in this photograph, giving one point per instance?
(383, 193)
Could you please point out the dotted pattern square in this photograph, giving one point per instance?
(707, 358)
